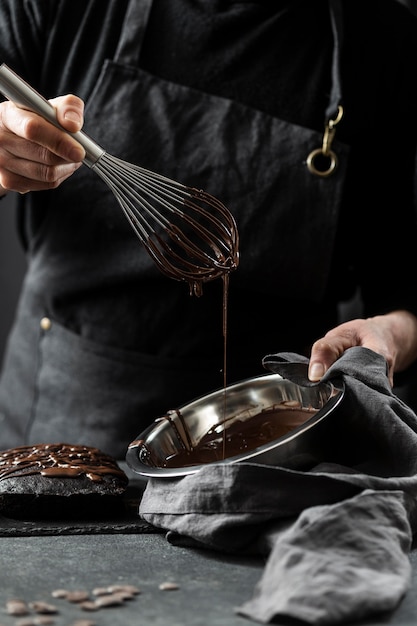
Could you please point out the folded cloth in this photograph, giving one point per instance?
(337, 562)
(337, 536)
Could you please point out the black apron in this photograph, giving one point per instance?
(103, 343)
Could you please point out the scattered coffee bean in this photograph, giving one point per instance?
(17, 607)
(59, 593)
(124, 588)
(128, 590)
(123, 595)
(43, 607)
(106, 598)
(89, 605)
(77, 596)
(168, 586)
(101, 591)
(112, 595)
(112, 599)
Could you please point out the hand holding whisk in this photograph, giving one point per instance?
(189, 234)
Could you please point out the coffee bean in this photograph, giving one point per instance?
(128, 590)
(59, 593)
(77, 596)
(168, 586)
(124, 588)
(16, 606)
(112, 599)
(124, 595)
(101, 591)
(43, 607)
(89, 605)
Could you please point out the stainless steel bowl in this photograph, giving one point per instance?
(266, 419)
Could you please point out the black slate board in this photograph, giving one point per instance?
(125, 522)
(23, 528)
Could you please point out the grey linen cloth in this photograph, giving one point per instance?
(336, 537)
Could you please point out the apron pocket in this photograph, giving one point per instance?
(92, 394)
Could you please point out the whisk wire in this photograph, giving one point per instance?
(130, 199)
(138, 222)
(139, 190)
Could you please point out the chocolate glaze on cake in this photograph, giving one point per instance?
(59, 480)
(58, 459)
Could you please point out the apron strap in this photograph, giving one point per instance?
(336, 17)
(133, 32)
(323, 161)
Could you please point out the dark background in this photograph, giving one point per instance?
(411, 4)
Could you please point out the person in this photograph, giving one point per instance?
(299, 116)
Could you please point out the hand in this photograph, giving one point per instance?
(393, 335)
(34, 154)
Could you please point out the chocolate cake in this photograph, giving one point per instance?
(59, 480)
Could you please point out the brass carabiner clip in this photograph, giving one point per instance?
(323, 161)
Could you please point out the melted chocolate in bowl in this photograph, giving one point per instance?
(265, 419)
(223, 441)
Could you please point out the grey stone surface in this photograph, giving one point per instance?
(211, 585)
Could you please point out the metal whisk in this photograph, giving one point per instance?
(189, 234)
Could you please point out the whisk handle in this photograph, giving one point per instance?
(18, 91)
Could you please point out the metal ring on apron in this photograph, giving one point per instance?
(323, 161)
(320, 163)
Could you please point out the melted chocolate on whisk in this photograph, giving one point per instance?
(210, 252)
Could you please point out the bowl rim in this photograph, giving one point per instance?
(135, 464)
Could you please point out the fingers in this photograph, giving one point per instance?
(46, 178)
(323, 354)
(372, 333)
(69, 112)
(34, 154)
